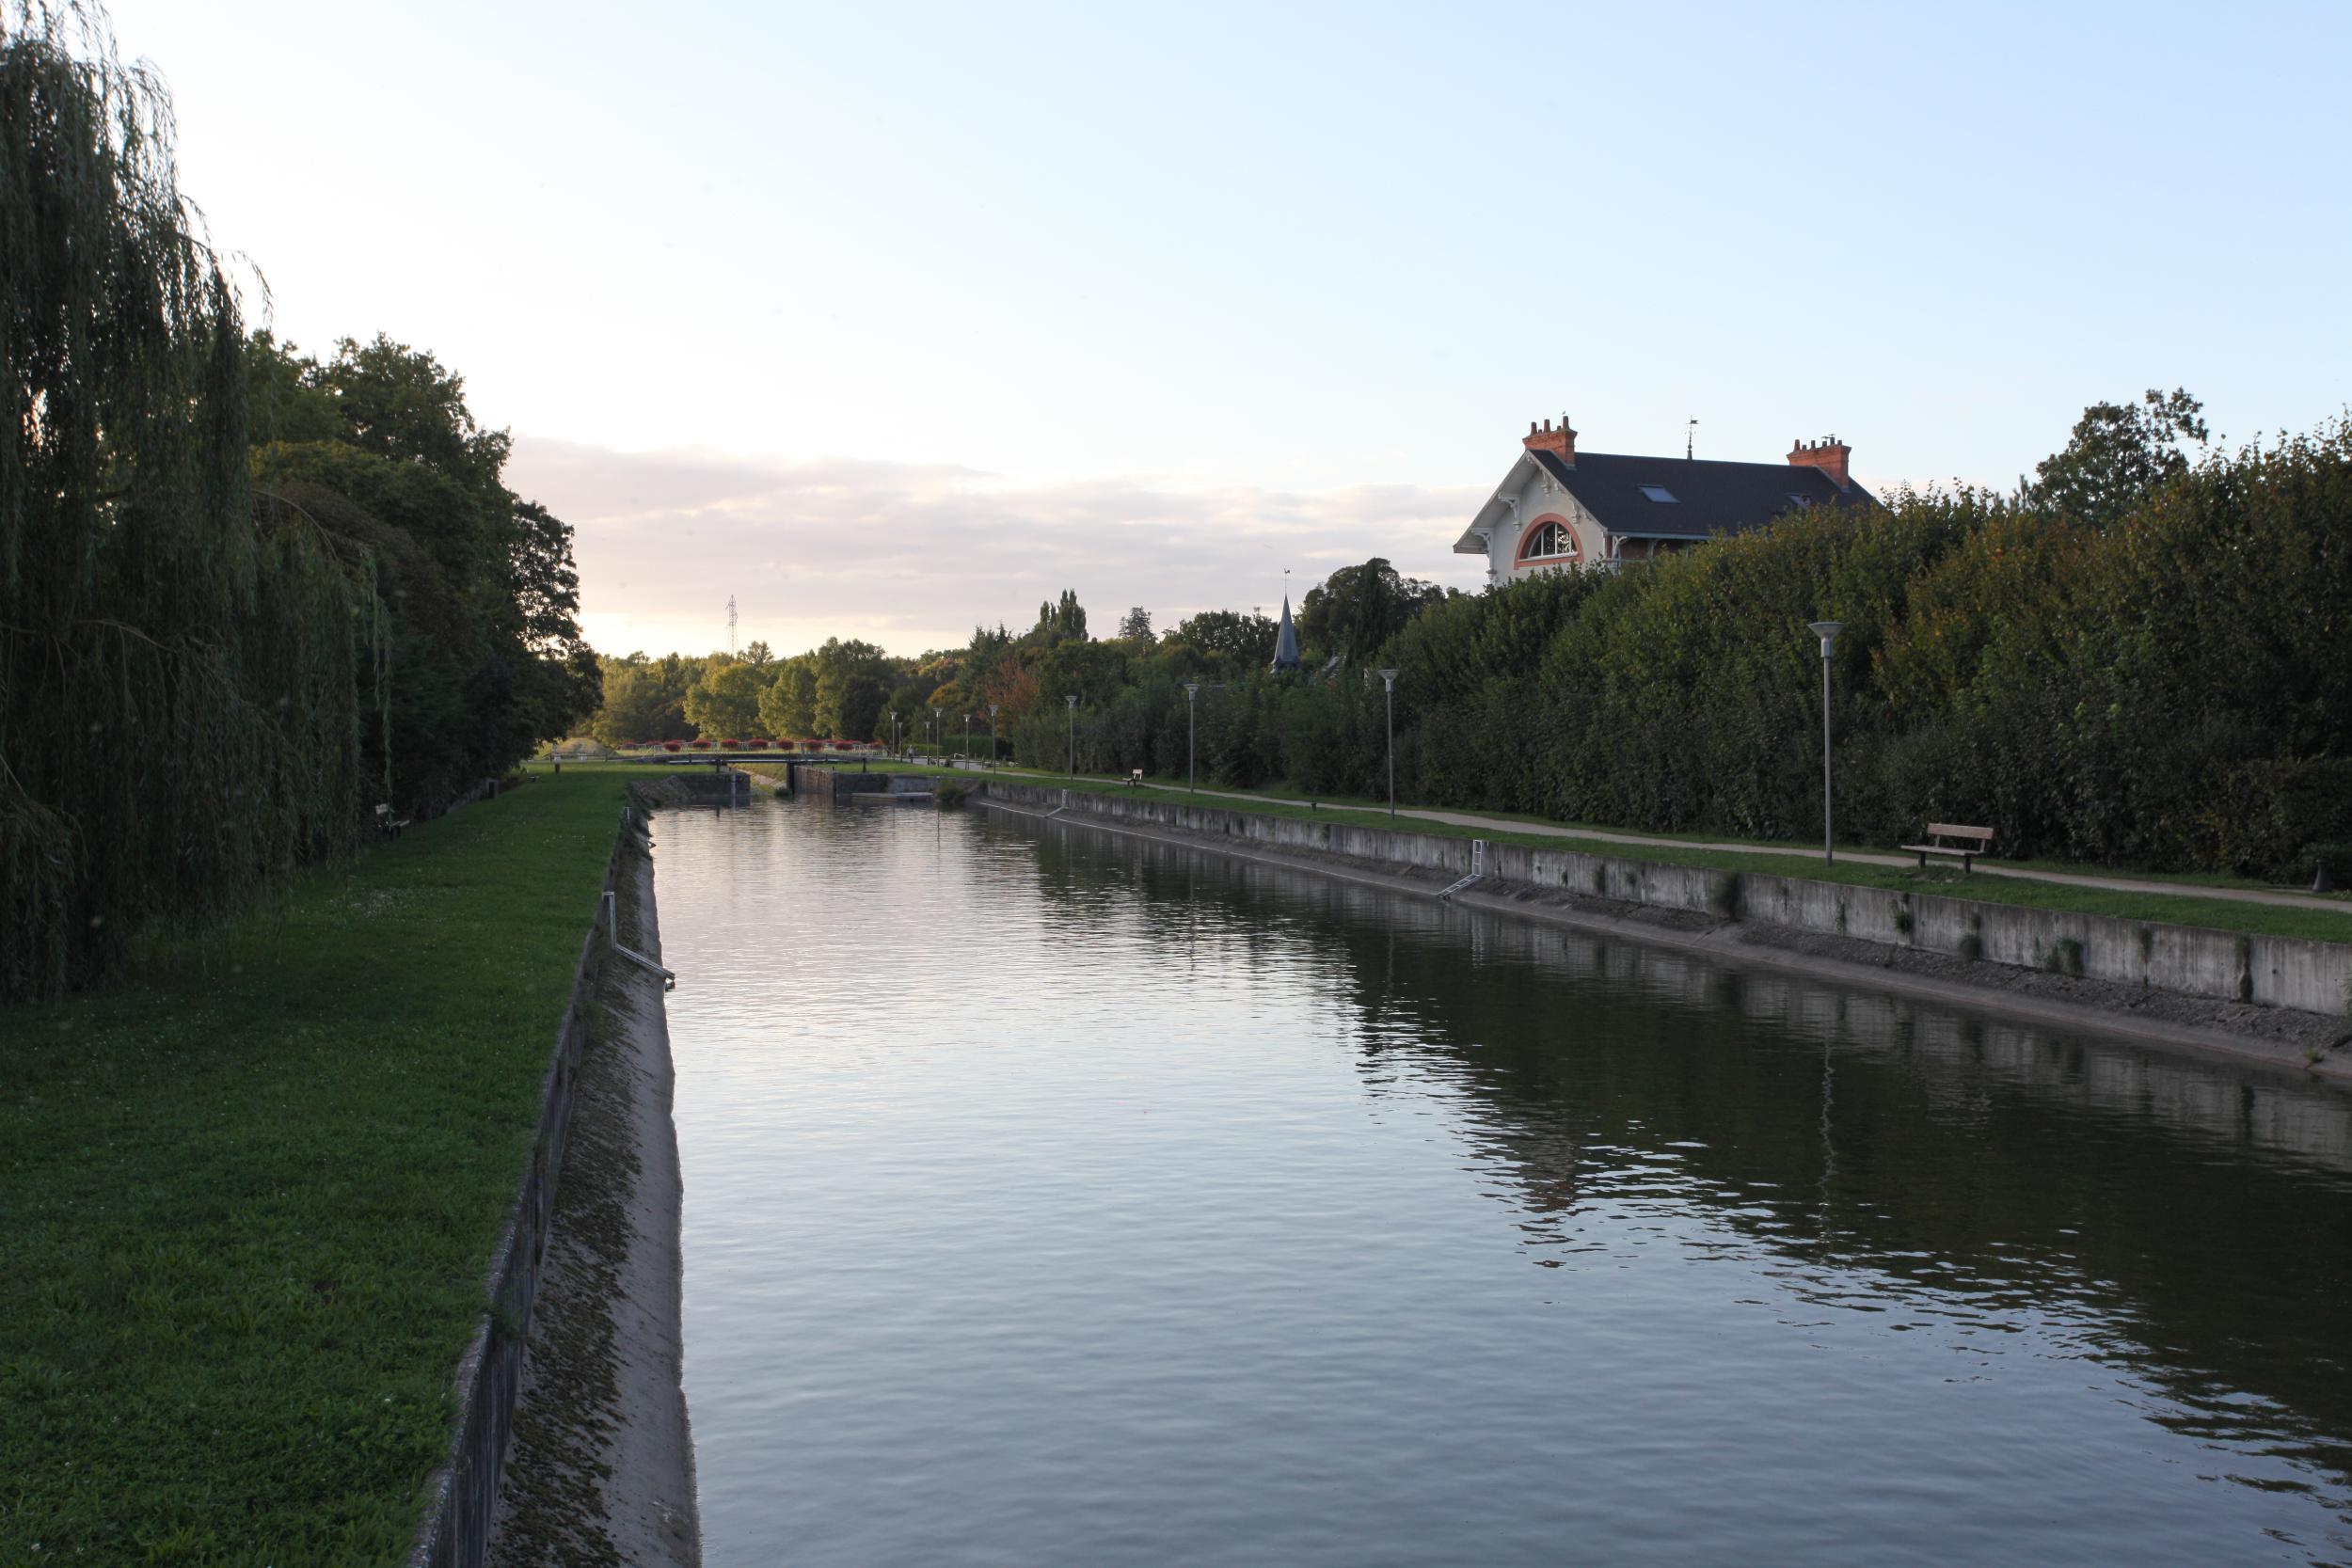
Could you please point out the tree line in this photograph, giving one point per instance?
(2134, 658)
(855, 690)
(246, 596)
(2138, 659)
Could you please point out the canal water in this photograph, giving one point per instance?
(1057, 1198)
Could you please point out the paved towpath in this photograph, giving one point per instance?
(1602, 835)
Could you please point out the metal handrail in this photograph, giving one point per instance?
(614, 943)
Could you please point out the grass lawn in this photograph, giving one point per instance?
(2184, 910)
(250, 1197)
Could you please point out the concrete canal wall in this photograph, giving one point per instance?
(826, 782)
(465, 1505)
(463, 1493)
(1953, 1047)
(704, 787)
(601, 1467)
(2275, 972)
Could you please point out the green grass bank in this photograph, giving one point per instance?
(252, 1196)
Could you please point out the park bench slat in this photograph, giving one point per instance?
(1979, 843)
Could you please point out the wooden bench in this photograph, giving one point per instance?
(1952, 838)
(387, 825)
(1134, 779)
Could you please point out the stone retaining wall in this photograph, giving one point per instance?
(2279, 972)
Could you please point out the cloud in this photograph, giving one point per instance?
(912, 556)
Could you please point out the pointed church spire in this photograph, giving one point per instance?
(1286, 639)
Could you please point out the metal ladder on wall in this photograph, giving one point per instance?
(1477, 870)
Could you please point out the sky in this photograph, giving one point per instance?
(892, 320)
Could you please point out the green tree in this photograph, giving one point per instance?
(725, 703)
(487, 658)
(545, 583)
(282, 393)
(982, 655)
(151, 605)
(1247, 641)
(1062, 620)
(1358, 609)
(402, 403)
(564, 676)
(645, 700)
(787, 704)
(2119, 452)
(850, 688)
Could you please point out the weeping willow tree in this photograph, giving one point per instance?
(184, 681)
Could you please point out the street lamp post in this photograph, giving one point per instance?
(1192, 777)
(967, 737)
(936, 743)
(1072, 700)
(1388, 691)
(1827, 631)
(992, 735)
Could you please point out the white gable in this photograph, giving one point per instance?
(1526, 496)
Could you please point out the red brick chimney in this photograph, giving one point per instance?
(1830, 456)
(1561, 441)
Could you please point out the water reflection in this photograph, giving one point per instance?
(2207, 1218)
(1110, 1202)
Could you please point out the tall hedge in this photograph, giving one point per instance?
(2170, 688)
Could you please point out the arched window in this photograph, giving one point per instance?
(1550, 541)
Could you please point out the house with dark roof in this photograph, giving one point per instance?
(1559, 508)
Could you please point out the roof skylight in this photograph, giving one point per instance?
(1657, 492)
